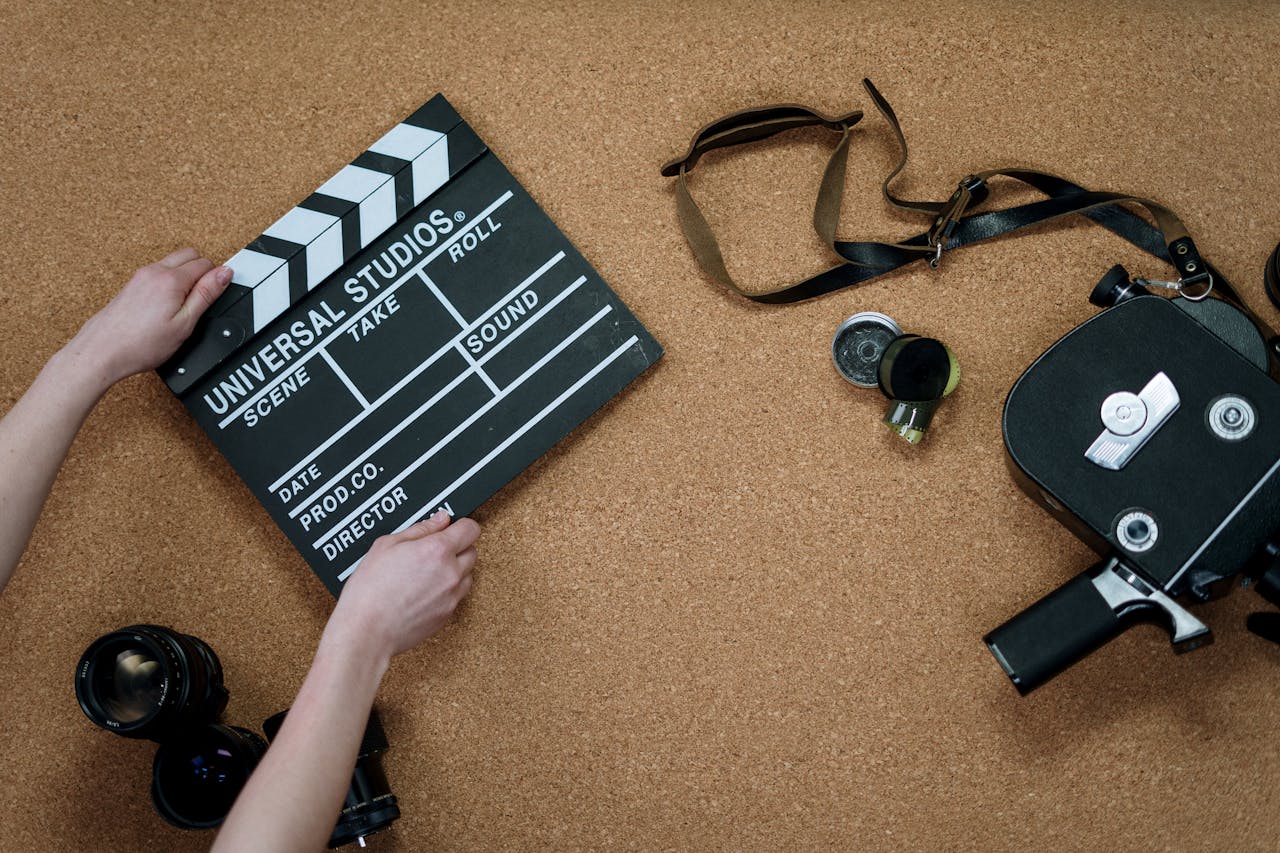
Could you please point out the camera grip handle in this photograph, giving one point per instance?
(1055, 632)
(1081, 616)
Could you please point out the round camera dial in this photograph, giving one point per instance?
(1137, 531)
(1231, 417)
(1124, 413)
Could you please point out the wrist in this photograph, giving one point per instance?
(346, 636)
(75, 369)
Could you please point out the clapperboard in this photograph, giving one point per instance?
(409, 338)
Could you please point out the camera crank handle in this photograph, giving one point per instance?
(1080, 617)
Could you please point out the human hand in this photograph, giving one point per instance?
(152, 315)
(409, 583)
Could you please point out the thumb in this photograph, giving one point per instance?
(206, 289)
(432, 524)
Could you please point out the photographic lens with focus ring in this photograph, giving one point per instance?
(146, 681)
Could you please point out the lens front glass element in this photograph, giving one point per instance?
(201, 784)
(131, 687)
(196, 779)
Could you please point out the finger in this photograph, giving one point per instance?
(467, 560)
(207, 288)
(192, 270)
(433, 524)
(178, 258)
(461, 590)
(461, 535)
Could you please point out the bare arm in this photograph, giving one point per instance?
(138, 330)
(402, 592)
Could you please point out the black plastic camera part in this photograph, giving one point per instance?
(1271, 277)
(1054, 633)
(1114, 287)
(1082, 616)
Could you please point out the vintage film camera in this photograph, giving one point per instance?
(1152, 431)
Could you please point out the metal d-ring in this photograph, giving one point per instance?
(1208, 288)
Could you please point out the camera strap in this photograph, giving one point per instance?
(953, 223)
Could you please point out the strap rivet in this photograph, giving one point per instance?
(1190, 267)
(1182, 249)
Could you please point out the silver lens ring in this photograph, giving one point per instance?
(859, 344)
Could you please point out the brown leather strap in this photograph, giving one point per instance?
(752, 125)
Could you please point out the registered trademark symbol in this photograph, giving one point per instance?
(459, 216)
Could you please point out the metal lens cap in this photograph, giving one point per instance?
(860, 343)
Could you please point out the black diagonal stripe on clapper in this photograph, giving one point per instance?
(391, 166)
(294, 254)
(348, 213)
(436, 114)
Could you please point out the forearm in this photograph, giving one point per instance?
(34, 439)
(293, 798)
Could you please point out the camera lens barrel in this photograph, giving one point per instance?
(369, 806)
(196, 778)
(147, 681)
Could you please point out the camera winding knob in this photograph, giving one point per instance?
(1124, 413)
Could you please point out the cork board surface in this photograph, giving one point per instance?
(731, 611)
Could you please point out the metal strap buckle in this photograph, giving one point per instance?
(971, 189)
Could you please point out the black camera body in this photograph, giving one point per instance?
(1152, 432)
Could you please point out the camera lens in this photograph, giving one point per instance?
(370, 806)
(146, 681)
(196, 778)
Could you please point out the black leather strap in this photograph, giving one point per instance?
(954, 223)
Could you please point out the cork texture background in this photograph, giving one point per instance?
(731, 611)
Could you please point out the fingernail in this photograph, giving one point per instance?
(224, 275)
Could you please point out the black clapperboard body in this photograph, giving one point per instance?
(408, 338)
